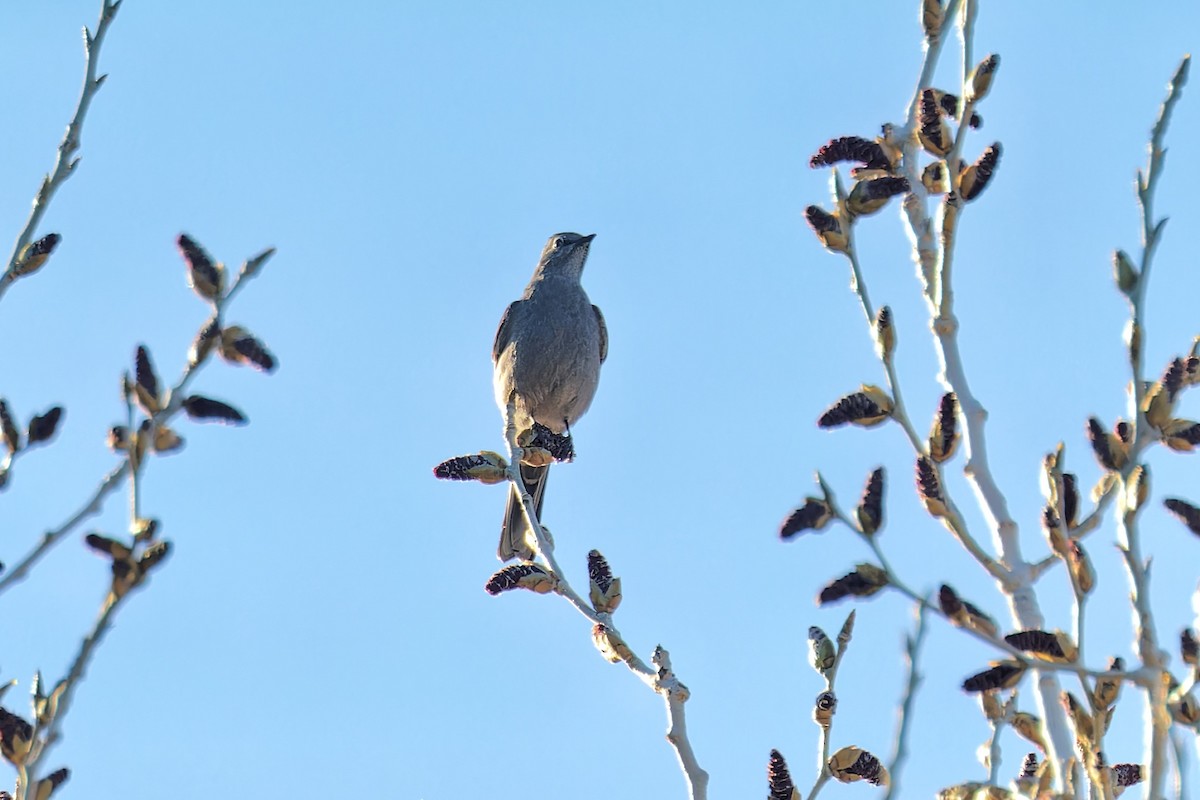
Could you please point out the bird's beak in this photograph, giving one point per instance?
(586, 239)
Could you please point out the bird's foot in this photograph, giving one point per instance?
(561, 446)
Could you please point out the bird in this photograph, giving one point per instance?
(547, 356)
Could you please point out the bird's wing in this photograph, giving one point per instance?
(603, 333)
(503, 332)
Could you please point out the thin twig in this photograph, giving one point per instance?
(78, 670)
(65, 163)
(104, 622)
(1139, 677)
(135, 463)
(1128, 540)
(1146, 646)
(1147, 182)
(130, 466)
(956, 524)
(933, 50)
(94, 504)
(824, 746)
(859, 286)
(1079, 606)
(1086, 526)
(953, 520)
(662, 679)
(912, 652)
(113, 479)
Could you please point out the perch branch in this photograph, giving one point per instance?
(662, 679)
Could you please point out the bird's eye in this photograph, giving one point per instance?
(560, 243)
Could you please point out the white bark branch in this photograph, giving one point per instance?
(662, 679)
(934, 264)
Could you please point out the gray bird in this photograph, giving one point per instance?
(548, 350)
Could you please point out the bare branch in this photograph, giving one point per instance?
(78, 670)
(859, 286)
(1147, 182)
(93, 506)
(113, 479)
(953, 520)
(674, 695)
(662, 679)
(830, 675)
(65, 163)
(1128, 539)
(894, 581)
(912, 652)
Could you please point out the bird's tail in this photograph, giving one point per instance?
(512, 534)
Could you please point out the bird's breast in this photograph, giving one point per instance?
(555, 362)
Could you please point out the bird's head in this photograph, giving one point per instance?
(565, 254)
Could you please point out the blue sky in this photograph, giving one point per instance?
(321, 625)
